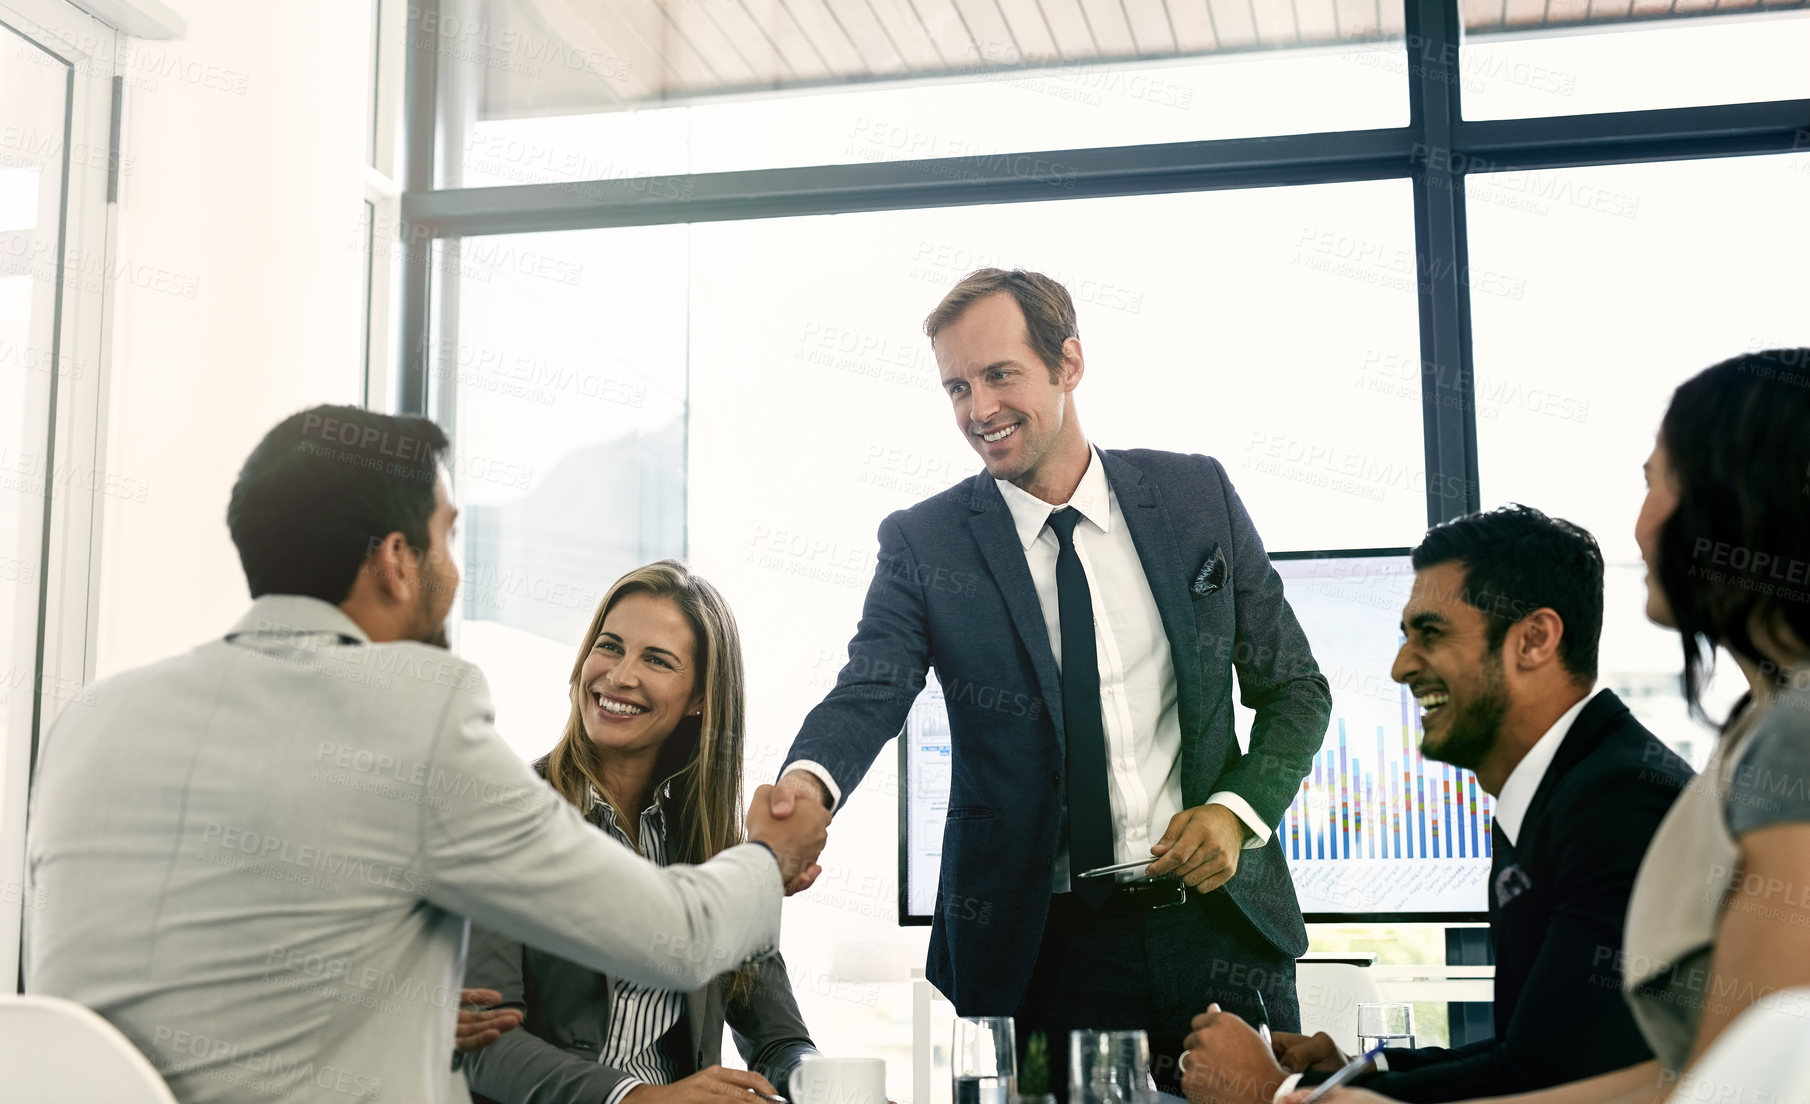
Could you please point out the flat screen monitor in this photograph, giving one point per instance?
(1376, 832)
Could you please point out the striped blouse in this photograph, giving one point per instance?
(639, 1016)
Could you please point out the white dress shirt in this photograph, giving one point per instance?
(1138, 697)
(1524, 781)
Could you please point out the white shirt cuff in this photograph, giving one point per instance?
(1288, 1086)
(817, 771)
(622, 1089)
(1260, 832)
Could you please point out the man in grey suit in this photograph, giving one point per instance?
(1084, 611)
(257, 859)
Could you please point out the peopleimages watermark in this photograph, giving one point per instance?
(25, 147)
(462, 38)
(808, 556)
(33, 358)
(1471, 67)
(476, 259)
(878, 356)
(264, 1070)
(944, 263)
(90, 271)
(1405, 377)
(1340, 469)
(140, 65)
(53, 689)
(1525, 189)
(909, 473)
(418, 782)
(24, 473)
(522, 375)
(224, 844)
(954, 158)
(376, 988)
(1003, 61)
(1398, 267)
(573, 171)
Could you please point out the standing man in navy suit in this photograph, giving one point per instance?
(1084, 611)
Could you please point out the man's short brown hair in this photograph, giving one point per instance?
(1049, 313)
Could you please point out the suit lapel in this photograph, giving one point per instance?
(1587, 734)
(997, 539)
(1142, 504)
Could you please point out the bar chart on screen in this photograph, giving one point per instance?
(1375, 828)
(1378, 828)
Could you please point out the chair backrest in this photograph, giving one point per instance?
(1764, 1055)
(56, 1051)
(1330, 993)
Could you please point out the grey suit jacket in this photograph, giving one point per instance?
(257, 860)
(953, 591)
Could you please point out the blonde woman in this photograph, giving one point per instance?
(652, 755)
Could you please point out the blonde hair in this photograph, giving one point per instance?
(703, 755)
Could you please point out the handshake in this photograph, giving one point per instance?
(792, 819)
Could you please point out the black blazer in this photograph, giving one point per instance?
(953, 591)
(1557, 903)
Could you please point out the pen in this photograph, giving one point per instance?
(769, 1098)
(1263, 1017)
(1100, 870)
(1361, 1064)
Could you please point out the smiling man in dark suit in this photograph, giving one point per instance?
(1084, 610)
(1500, 646)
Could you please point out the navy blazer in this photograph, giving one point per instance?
(952, 591)
(1558, 900)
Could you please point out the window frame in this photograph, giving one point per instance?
(1435, 151)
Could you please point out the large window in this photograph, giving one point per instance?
(1282, 221)
(1666, 268)
(563, 375)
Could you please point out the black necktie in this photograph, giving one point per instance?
(1089, 812)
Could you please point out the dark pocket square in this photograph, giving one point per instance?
(1212, 574)
(1511, 882)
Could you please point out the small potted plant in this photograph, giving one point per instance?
(1034, 1078)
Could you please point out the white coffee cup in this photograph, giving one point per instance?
(820, 1080)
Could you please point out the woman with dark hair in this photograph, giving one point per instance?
(652, 755)
(1719, 920)
(1720, 916)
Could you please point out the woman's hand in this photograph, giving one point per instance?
(702, 1087)
(478, 1028)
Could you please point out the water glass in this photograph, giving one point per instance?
(1109, 1067)
(983, 1061)
(1389, 1024)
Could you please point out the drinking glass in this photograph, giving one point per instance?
(1390, 1024)
(1109, 1067)
(983, 1061)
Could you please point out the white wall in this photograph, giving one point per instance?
(241, 186)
